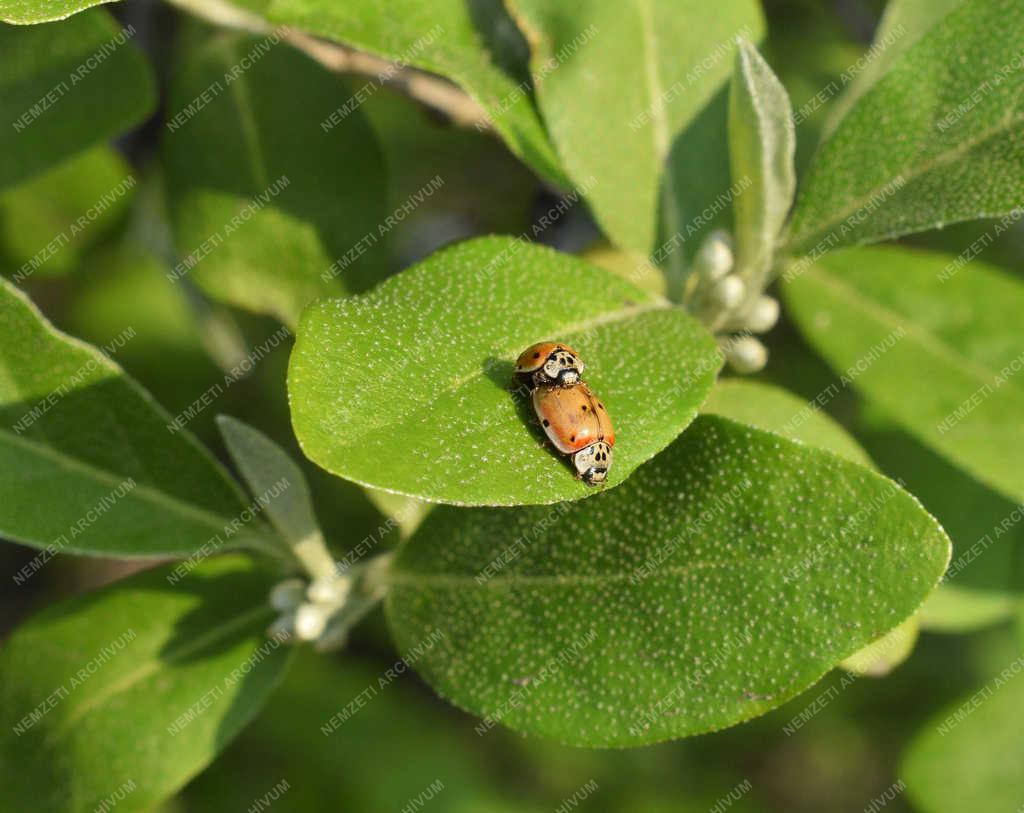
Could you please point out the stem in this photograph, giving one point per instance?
(312, 553)
(433, 91)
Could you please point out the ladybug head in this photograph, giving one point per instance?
(563, 367)
(593, 462)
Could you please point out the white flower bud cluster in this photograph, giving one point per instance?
(722, 298)
(306, 608)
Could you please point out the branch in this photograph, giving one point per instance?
(426, 88)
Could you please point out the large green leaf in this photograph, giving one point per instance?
(271, 206)
(88, 461)
(409, 388)
(633, 95)
(726, 576)
(777, 410)
(65, 87)
(935, 140)
(983, 579)
(447, 37)
(128, 692)
(48, 221)
(969, 755)
(934, 343)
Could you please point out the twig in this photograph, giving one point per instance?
(433, 91)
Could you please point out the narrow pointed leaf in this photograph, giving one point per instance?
(131, 691)
(762, 143)
(410, 388)
(728, 575)
(89, 463)
(266, 466)
(632, 97)
(933, 341)
(936, 140)
(903, 23)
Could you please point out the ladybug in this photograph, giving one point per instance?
(550, 363)
(577, 424)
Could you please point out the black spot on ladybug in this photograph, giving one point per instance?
(536, 355)
(547, 422)
(600, 405)
(572, 439)
(584, 407)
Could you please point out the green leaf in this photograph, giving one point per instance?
(66, 87)
(933, 142)
(728, 575)
(263, 464)
(89, 463)
(47, 222)
(445, 38)
(762, 143)
(773, 409)
(23, 12)
(629, 95)
(890, 317)
(981, 584)
(409, 388)
(130, 691)
(268, 206)
(968, 756)
(903, 24)
(880, 657)
(776, 410)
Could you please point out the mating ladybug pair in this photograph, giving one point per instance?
(573, 418)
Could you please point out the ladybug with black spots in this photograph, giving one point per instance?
(577, 424)
(551, 364)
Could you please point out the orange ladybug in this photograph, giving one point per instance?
(550, 363)
(577, 424)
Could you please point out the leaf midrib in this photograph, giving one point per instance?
(160, 498)
(507, 354)
(895, 319)
(151, 667)
(909, 174)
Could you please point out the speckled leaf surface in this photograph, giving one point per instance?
(631, 93)
(446, 37)
(969, 755)
(725, 577)
(310, 196)
(25, 12)
(936, 140)
(937, 346)
(86, 459)
(903, 23)
(66, 86)
(409, 387)
(132, 690)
